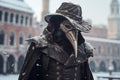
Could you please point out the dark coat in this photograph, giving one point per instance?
(33, 55)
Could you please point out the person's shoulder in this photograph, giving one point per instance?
(88, 48)
(39, 41)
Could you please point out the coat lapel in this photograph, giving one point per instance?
(31, 57)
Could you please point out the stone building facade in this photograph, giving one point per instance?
(106, 41)
(106, 54)
(16, 26)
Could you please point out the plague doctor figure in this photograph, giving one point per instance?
(61, 52)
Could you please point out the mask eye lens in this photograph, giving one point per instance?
(68, 27)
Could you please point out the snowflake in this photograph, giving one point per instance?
(23, 73)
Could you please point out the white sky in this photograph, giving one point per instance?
(96, 10)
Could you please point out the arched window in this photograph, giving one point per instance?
(21, 21)
(10, 64)
(0, 15)
(26, 21)
(2, 37)
(16, 18)
(102, 67)
(21, 38)
(11, 17)
(6, 16)
(12, 38)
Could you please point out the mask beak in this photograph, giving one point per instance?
(71, 35)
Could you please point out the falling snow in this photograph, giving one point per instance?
(8, 77)
(38, 65)
(33, 48)
(12, 65)
(23, 73)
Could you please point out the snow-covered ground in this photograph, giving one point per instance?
(15, 77)
(8, 77)
(115, 74)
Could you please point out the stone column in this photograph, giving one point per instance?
(14, 18)
(24, 20)
(9, 13)
(19, 21)
(5, 66)
(3, 18)
(15, 67)
(28, 22)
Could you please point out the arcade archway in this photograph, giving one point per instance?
(10, 64)
(92, 66)
(114, 65)
(102, 67)
(1, 64)
(20, 63)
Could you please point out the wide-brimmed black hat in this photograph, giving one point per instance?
(73, 13)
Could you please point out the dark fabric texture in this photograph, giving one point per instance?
(71, 12)
(41, 64)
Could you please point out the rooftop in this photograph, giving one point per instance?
(102, 40)
(19, 5)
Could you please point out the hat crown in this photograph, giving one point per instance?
(71, 10)
(72, 13)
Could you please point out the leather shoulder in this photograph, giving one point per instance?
(56, 53)
(40, 41)
(89, 49)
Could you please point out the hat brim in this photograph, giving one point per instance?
(82, 26)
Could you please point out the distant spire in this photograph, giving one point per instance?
(20, 0)
(114, 19)
(115, 1)
(45, 8)
(115, 10)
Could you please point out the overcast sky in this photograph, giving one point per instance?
(96, 10)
